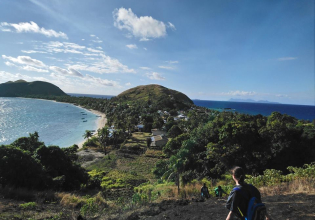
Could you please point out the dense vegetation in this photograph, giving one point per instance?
(22, 88)
(255, 142)
(28, 163)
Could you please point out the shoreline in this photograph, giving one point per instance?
(100, 123)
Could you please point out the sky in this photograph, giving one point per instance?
(207, 49)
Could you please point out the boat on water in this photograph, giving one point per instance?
(85, 121)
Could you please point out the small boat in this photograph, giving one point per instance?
(82, 118)
(85, 121)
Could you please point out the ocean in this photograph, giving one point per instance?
(57, 123)
(305, 112)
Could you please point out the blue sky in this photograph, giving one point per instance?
(207, 49)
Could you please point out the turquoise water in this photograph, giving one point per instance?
(58, 124)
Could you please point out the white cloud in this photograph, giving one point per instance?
(144, 27)
(155, 76)
(94, 51)
(25, 60)
(172, 61)
(240, 93)
(166, 67)
(145, 48)
(104, 82)
(100, 48)
(145, 68)
(286, 58)
(170, 25)
(105, 64)
(34, 69)
(97, 41)
(132, 46)
(73, 45)
(92, 35)
(32, 51)
(9, 64)
(32, 27)
(128, 84)
(69, 72)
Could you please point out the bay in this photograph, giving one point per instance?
(60, 124)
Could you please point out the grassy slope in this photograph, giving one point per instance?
(139, 165)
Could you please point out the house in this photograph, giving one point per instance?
(159, 141)
(156, 132)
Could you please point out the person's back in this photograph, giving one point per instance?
(240, 196)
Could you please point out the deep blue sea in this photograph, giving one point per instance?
(57, 123)
(305, 112)
(91, 95)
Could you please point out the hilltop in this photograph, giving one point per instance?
(23, 88)
(155, 95)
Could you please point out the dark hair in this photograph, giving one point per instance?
(239, 174)
(219, 187)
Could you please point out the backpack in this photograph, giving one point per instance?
(255, 210)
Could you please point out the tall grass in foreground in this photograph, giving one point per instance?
(272, 182)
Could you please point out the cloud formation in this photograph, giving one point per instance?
(144, 27)
(105, 64)
(69, 72)
(132, 46)
(166, 67)
(240, 93)
(26, 60)
(103, 82)
(155, 76)
(31, 27)
(286, 58)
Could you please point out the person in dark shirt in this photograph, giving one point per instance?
(205, 191)
(237, 202)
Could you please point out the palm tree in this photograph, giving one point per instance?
(87, 134)
(103, 137)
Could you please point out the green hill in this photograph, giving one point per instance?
(21, 88)
(155, 95)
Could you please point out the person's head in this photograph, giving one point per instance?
(204, 184)
(219, 187)
(238, 174)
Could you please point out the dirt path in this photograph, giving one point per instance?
(282, 207)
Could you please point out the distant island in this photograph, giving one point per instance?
(21, 88)
(251, 100)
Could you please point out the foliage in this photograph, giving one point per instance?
(28, 205)
(46, 166)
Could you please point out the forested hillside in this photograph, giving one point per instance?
(22, 88)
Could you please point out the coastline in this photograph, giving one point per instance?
(101, 122)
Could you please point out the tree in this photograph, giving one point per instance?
(87, 134)
(174, 131)
(103, 137)
(20, 169)
(149, 141)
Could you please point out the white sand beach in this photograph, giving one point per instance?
(101, 122)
